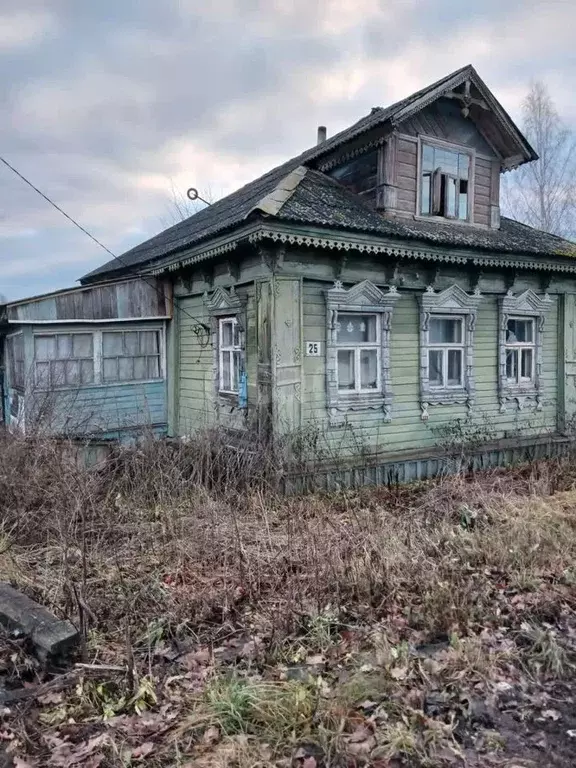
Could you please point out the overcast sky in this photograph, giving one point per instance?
(106, 104)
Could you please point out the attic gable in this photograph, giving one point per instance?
(478, 104)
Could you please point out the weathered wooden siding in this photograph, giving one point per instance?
(99, 411)
(443, 120)
(482, 191)
(127, 299)
(406, 175)
(406, 431)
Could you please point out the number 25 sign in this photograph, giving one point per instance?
(313, 348)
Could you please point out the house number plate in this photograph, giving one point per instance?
(313, 348)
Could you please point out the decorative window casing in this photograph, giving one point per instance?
(522, 320)
(227, 317)
(447, 325)
(358, 349)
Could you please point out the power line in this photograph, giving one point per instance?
(95, 239)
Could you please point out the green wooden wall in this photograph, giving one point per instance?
(284, 307)
(407, 431)
(194, 401)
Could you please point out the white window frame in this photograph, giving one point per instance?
(526, 306)
(357, 348)
(518, 347)
(364, 298)
(445, 348)
(451, 303)
(233, 351)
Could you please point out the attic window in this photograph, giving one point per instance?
(444, 182)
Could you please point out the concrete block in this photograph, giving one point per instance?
(50, 636)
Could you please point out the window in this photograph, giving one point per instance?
(358, 341)
(64, 360)
(358, 322)
(520, 350)
(15, 351)
(230, 355)
(522, 321)
(447, 323)
(130, 356)
(446, 352)
(444, 182)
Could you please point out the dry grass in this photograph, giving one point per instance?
(166, 544)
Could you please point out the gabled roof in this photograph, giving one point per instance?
(236, 207)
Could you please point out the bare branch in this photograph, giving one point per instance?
(543, 193)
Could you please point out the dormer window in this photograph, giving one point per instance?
(444, 182)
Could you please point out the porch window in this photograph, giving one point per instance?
(446, 352)
(444, 182)
(520, 350)
(63, 360)
(15, 352)
(130, 356)
(230, 355)
(358, 342)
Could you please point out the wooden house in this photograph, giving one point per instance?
(88, 362)
(369, 296)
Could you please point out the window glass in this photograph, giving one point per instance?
(526, 367)
(444, 182)
(227, 372)
(45, 347)
(519, 331)
(427, 158)
(111, 344)
(110, 369)
(346, 378)
(64, 345)
(512, 364)
(148, 342)
(140, 368)
(435, 367)
(426, 193)
(130, 355)
(82, 345)
(356, 329)
(227, 330)
(454, 367)
(445, 330)
(131, 343)
(125, 368)
(368, 368)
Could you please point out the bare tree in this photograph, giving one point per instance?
(181, 207)
(543, 193)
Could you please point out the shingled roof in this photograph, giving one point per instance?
(321, 201)
(236, 207)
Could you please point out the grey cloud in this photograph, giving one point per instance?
(93, 107)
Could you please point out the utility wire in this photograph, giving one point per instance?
(85, 231)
